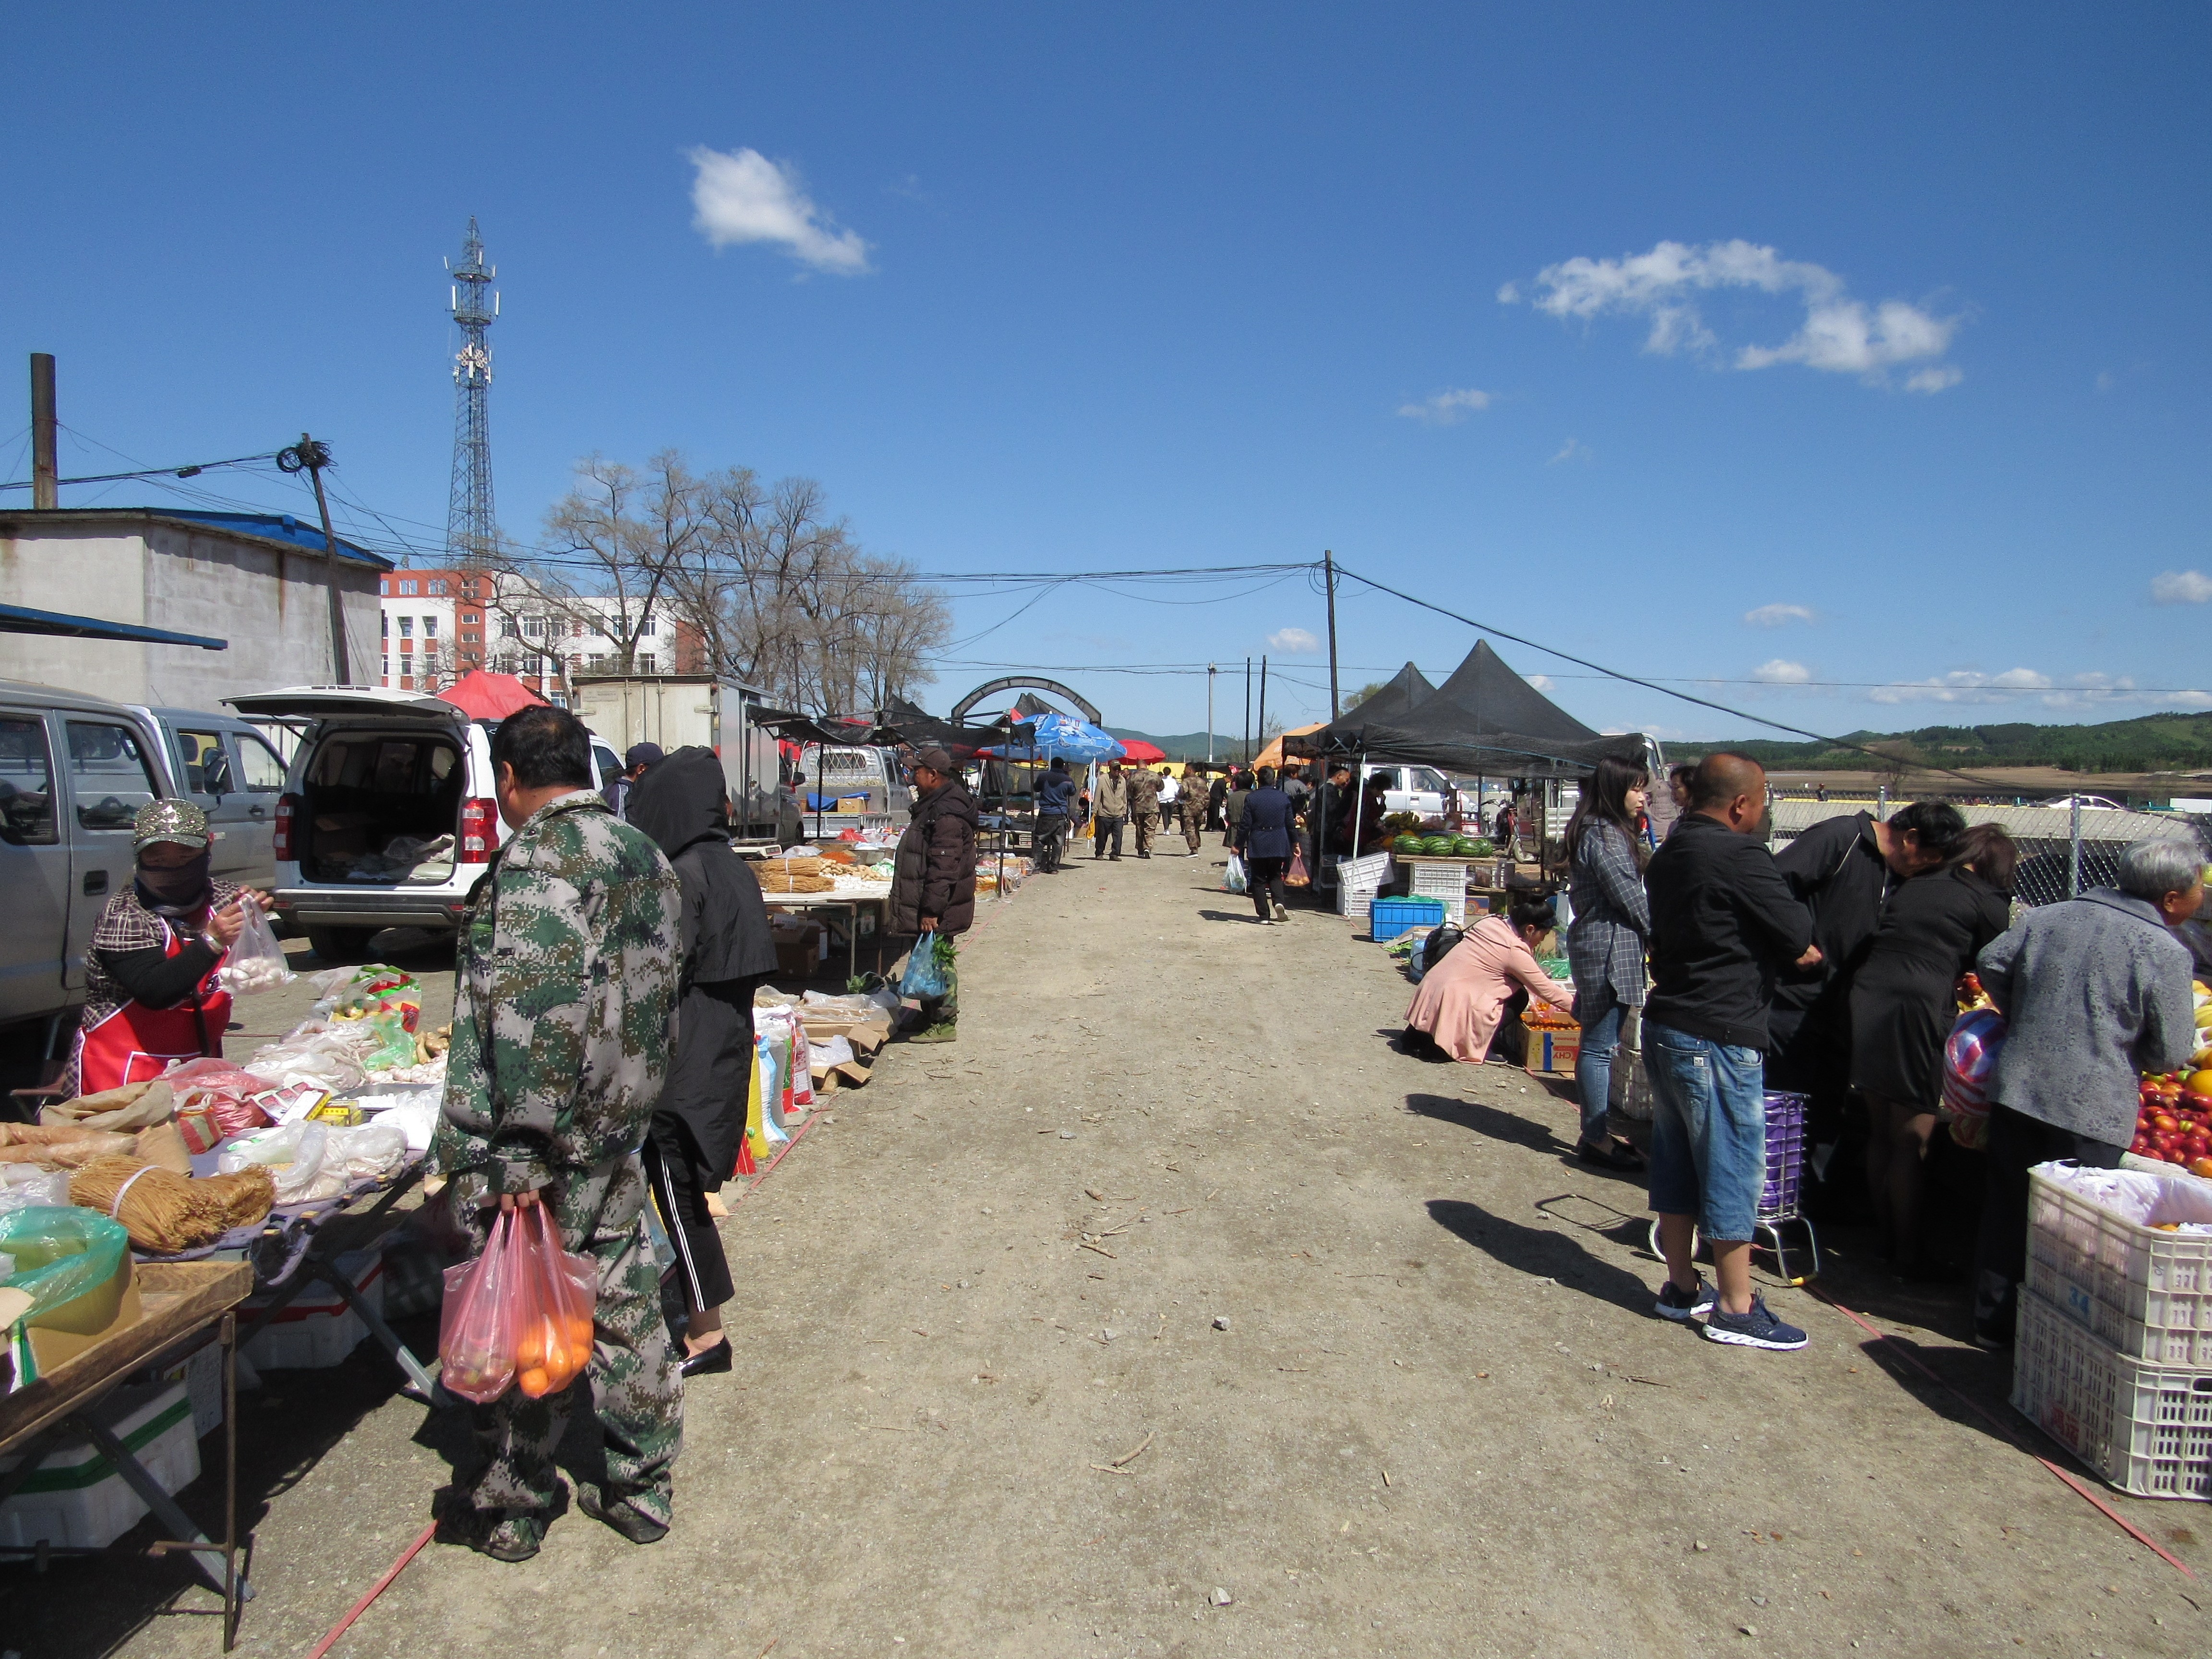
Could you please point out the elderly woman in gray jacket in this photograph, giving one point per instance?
(1606, 941)
(2093, 990)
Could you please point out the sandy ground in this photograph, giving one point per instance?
(1440, 1419)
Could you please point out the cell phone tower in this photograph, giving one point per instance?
(471, 526)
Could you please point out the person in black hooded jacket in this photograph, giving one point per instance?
(682, 803)
(934, 879)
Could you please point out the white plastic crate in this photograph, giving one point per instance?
(1362, 876)
(2146, 1292)
(77, 1499)
(317, 1328)
(1443, 881)
(2146, 1428)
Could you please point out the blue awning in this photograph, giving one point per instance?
(20, 619)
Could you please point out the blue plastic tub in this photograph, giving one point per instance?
(1389, 917)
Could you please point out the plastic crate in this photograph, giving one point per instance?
(1443, 881)
(1389, 917)
(1785, 1155)
(2147, 1292)
(317, 1328)
(2147, 1429)
(77, 1499)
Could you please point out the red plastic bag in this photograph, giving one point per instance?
(476, 1331)
(556, 1293)
(519, 1314)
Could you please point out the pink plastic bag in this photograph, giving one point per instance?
(519, 1314)
(476, 1332)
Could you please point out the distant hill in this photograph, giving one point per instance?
(2150, 742)
(1190, 745)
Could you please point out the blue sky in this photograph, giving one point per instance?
(1838, 345)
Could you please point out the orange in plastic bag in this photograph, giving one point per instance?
(475, 1331)
(556, 1294)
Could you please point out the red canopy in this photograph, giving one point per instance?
(486, 697)
(1138, 750)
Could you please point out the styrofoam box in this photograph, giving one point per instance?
(2146, 1428)
(317, 1328)
(77, 1499)
(2147, 1292)
(201, 1372)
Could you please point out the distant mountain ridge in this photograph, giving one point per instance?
(2148, 742)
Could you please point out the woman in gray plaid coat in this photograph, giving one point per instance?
(1606, 941)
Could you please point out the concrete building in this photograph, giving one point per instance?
(440, 624)
(259, 579)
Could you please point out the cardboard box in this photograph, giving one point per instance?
(55, 1341)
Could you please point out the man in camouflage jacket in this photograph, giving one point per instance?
(1145, 809)
(565, 987)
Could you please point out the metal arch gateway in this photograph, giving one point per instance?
(1015, 682)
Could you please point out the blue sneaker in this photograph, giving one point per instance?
(1684, 1306)
(1757, 1329)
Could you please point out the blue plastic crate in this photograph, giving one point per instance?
(1390, 917)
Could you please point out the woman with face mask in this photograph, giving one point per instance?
(150, 991)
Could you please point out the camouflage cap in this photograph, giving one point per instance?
(175, 821)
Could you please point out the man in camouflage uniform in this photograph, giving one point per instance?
(1144, 808)
(565, 987)
(1194, 805)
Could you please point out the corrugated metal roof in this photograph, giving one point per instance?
(304, 534)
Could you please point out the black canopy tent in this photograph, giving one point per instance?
(1345, 735)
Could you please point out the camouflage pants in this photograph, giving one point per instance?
(636, 1389)
(1148, 831)
(1193, 820)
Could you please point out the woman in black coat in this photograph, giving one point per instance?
(1902, 1010)
(728, 953)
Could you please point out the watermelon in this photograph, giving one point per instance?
(1463, 846)
(1437, 846)
(1409, 845)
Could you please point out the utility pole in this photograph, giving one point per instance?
(1263, 702)
(311, 456)
(1211, 670)
(1248, 711)
(44, 496)
(1328, 569)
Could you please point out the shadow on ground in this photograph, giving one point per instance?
(1541, 1252)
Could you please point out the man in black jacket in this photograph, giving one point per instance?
(1056, 797)
(1723, 921)
(933, 880)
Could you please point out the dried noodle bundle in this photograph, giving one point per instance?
(165, 1211)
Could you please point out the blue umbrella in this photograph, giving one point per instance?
(1054, 733)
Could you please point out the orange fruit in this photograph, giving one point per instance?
(535, 1383)
(2198, 1084)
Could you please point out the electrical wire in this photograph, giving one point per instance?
(1664, 691)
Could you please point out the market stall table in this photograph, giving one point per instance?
(852, 900)
(181, 1301)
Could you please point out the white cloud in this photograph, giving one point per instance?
(745, 197)
(2016, 685)
(1543, 682)
(1573, 450)
(1294, 640)
(1780, 670)
(2181, 588)
(1839, 334)
(1778, 615)
(1446, 408)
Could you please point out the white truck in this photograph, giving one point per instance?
(853, 787)
(679, 710)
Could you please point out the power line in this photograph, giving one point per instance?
(190, 470)
(1653, 685)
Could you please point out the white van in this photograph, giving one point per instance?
(388, 816)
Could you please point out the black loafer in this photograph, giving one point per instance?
(712, 1362)
(1614, 1155)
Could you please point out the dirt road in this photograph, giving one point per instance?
(1172, 1311)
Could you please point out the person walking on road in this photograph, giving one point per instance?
(1110, 810)
(1217, 801)
(683, 805)
(565, 987)
(1606, 942)
(1145, 809)
(2094, 992)
(1171, 799)
(1193, 806)
(1263, 838)
(1902, 1008)
(1232, 806)
(933, 880)
(1724, 922)
(1055, 807)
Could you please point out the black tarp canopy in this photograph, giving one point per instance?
(1483, 719)
(1345, 735)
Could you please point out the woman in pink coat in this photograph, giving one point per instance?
(1462, 998)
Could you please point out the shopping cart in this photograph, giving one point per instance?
(1777, 1200)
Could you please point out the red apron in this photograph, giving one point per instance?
(137, 1044)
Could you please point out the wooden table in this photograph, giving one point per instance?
(181, 1300)
(851, 905)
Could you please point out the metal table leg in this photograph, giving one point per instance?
(188, 1537)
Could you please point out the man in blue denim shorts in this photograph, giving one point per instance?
(1724, 920)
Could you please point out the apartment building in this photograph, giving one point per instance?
(439, 625)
